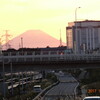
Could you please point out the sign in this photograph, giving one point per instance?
(90, 91)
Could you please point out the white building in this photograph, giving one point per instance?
(83, 36)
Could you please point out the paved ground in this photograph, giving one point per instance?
(65, 90)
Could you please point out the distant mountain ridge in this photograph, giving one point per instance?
(34, 39)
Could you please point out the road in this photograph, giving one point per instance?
(65, 90)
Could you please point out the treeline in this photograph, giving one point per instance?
(93, 76)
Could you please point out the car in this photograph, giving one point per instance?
(37, 88)
(92, 98)
(61, 73)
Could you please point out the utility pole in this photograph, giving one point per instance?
(11, 78)
(0, 47)
(4, 90)
(22, 42)
(3, 69)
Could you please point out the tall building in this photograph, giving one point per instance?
(83, 36)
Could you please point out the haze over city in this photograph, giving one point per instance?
(50, 16)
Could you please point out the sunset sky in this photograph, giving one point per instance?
(50, 16)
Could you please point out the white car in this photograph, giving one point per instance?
(92, 98)
(37, 88)
(61, 73)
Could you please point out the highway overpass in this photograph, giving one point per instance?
(45, 62)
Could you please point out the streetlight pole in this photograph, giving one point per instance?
(11, 78)
(76, 13)
(76, 39)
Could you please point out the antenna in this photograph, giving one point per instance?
(60, 39)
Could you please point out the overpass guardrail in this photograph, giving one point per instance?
(39, 58)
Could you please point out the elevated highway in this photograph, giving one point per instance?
(43, 62)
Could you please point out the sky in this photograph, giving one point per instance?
(50, 16)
